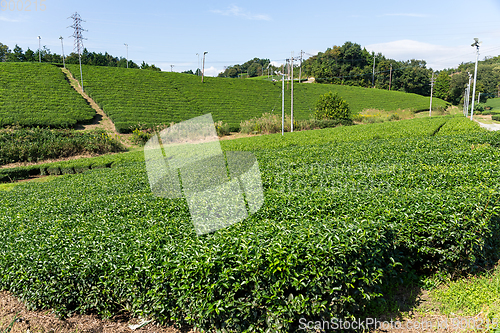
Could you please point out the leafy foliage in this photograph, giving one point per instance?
(332, 106)
(343, 218)
(349, 64)
(37, 144)
(39, 95)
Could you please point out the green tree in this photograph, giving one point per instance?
(147, 66)
(29, 55)
(442, 86)
(332, 106)
(4, 52)
(458, 83)
(16, 55)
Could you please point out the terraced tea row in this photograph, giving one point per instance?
(133, 96)
(33, 94)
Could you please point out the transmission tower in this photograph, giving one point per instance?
(77, 25)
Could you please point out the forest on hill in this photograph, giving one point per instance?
(352, 65)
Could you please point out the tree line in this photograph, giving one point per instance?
(352, 65)
(251, 68)
(451, 83)
(88, 58)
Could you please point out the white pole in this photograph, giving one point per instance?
(39, 50)
(282, 103)
(81, 74)
(127, 52)
(432, 87)
(203, 70)
(62, 46)
(373, 74)
(475, 77)
(197, 72)
(468, 94)
(291, 125)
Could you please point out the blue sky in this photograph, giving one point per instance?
(172, 32)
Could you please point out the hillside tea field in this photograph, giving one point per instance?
(34, 94)
(345, 215)
(132, 96)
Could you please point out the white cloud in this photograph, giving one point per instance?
(436, 56)
(276, 63)
(6, 19)
(240, 12)
(212, 71)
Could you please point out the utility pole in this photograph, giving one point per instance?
(475, 44)
(468, 95)
(62, 46)
(291, 125)
(127, 52)
(197, 69)
(282, 100)
(465, 102)
(287, 72)
(373, 75)
(77, 20)
(300, 71)
(432, 88)
(203, 70)
(390, 78)
(39, 50)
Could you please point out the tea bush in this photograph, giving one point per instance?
(37, 144)
(345, 215)
(38, 94)
(129, 96)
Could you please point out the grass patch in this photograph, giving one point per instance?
(10, 186)
(471, 296)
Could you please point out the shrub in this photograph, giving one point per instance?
(332, 106)
(222, 128)
(271, 123)
(37, 144)
(478, 108)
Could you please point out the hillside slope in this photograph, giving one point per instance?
(34, 94)
(132, 96)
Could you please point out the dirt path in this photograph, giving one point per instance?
(101, 120)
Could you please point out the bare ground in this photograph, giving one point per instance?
(45, 321)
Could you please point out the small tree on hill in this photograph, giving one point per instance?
(332, 106)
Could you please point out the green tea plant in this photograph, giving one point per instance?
(37, 144)
(129, 96)
(34, 94)
(345, 215)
